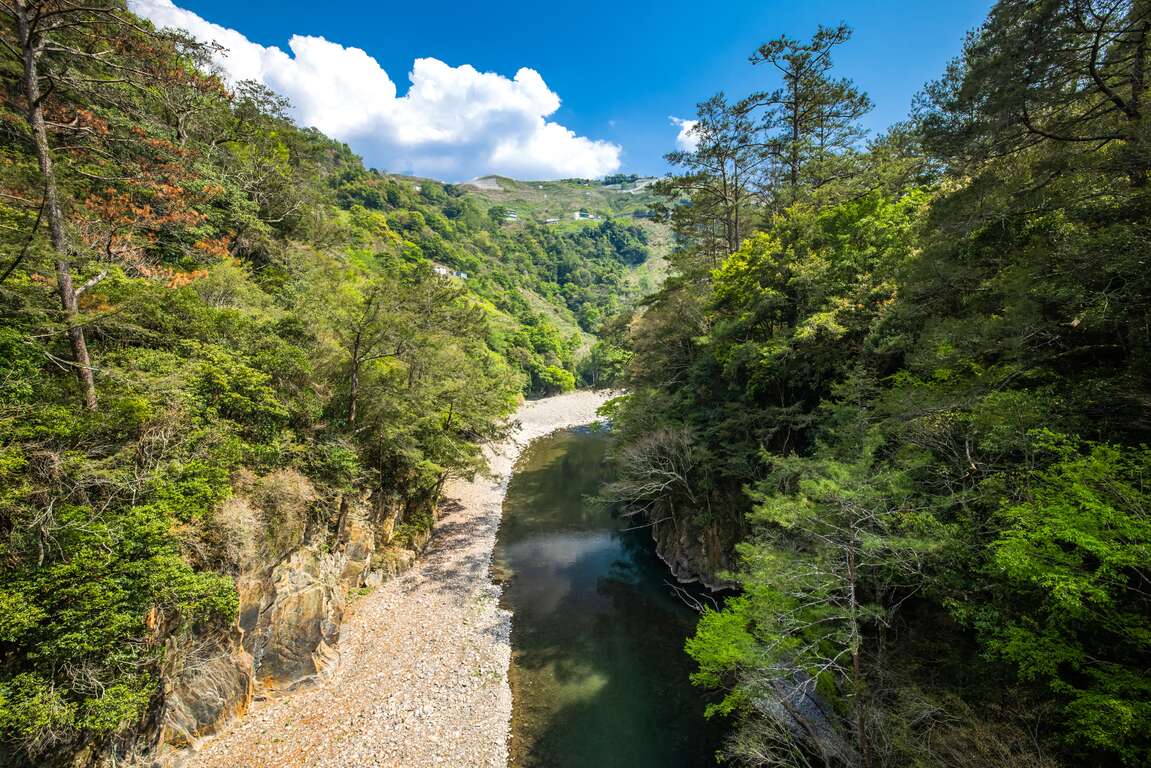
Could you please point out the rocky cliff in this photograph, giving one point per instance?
(293, 575)
(694, 552)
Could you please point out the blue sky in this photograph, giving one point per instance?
(620, 69)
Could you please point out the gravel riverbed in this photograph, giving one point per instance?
(423, 673)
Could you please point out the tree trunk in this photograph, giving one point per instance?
(856, 665)
(64, 284)
(1141, 22)
(353, 397)
(737, 240)
(793, 159)
(1138, 87)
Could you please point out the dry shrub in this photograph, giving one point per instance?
(943, 731)
(260, 524)
(237, 524)
(284, 498)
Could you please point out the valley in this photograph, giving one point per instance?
(807, 429)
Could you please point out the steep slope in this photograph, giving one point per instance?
(285, 356)
(540, 201)
(585, 272)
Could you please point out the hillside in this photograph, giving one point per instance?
(558, 283)
(237, 368)
(556, 205)
(541, 201)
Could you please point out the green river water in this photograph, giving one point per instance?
(599, 676)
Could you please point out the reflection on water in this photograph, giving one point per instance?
(599, 676)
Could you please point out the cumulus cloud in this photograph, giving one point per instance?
(687, 139)
(453, 122)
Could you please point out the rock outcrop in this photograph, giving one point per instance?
(695, 553)
(357, 538)
(292, 585)
(294, 640)
(205, 685)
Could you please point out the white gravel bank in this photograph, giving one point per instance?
(424, 659)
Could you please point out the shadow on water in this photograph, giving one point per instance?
(599, 676)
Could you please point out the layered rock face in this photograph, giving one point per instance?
(204, 686)
(695, 553)
(297, 626)
(292, 581)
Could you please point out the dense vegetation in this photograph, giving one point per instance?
(194, 291)
(580, 268)
(910, 376)
(905, 378)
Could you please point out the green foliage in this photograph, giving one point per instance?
(336, 464)
(605, 364)
(18, 367)
(189, 490)
(908, 389)
(30, 707)
(722, 646)
(229, 389)
(415, 529)
(1068, 552)
(94, 579)
(554, 380)
(256, 304)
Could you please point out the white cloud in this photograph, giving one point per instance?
(453, 123)
(687, 139)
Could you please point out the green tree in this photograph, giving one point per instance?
(72, 62)
(812, 123)
(1068, 73)
(1074, 614)
(719, 180)
(834, 535)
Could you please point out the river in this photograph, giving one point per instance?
(599, 677)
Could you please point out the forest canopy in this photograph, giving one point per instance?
(197, 295)
(904, 379)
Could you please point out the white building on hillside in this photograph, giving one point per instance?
(444, 271)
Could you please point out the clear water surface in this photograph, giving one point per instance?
(599, 676)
